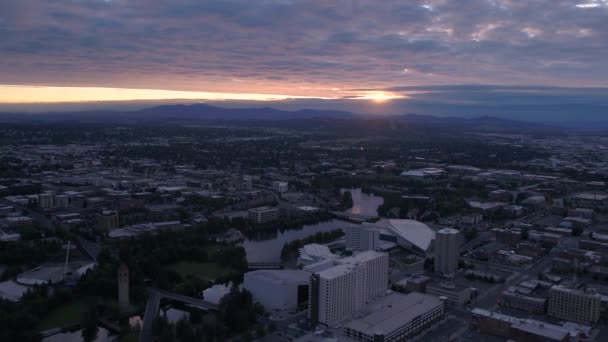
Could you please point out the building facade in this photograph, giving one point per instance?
(341, 288)
(360, 238)
(446, 251)
(512, 299)
(397, 317)
(574, 305)
(263, 214)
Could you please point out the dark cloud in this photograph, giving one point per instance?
(286, 45)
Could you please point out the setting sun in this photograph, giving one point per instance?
(379, 96)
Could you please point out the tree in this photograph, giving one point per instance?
(524, 234)
(429, 264)
(184, 331)
(90, 324)
(260, 331)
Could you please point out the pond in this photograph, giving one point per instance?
(364, 204)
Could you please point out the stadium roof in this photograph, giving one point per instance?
(415, 232)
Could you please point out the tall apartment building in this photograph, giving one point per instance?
(574, 305)
(107, 220)
(263, 214)
(446, 251)
(341, 288)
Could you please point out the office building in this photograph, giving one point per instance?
(522, 329)
(447, 241)
(582, 306)
(46, 200)
(340, 288)
(263, 214)
(280, 186)
(397, 317)
(453, 294)
(511, 298)
(107, 220)
(360, 238)
(414, 283)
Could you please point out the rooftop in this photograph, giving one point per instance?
(335, 268)
(393, 311)
(281, 276)
(414, 232)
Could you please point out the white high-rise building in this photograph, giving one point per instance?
(341, 288)
(446, 251)
(574, 305)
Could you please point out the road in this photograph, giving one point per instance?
(91, 248)
(487, 300)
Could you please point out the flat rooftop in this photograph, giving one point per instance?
(334, 268)
(281, 276)
(391, 312)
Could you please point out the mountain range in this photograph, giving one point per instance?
(203, 113)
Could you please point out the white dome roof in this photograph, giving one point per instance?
(415, 232)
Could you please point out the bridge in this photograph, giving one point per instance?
(252, 266)
(92, 249)
(152, 308)
(353, 217)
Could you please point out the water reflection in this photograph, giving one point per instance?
(364, 204)
(270, 250)
(215, 293)
(174, 315)
(266, 246)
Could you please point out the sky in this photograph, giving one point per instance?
(460, 57)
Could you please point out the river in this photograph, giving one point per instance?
(364, 204)
(268, 248)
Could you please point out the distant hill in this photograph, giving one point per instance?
(265, 116)
(185, 112)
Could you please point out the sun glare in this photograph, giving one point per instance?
(380, 96)
(50, 94)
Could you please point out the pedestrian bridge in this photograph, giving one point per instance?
(152, 308)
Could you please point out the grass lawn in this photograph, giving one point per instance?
(204, 270)
(66, 314)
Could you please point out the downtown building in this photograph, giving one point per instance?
(447, 241)
(341, 288)
(263, 214)
(397, 317)
(581, 306)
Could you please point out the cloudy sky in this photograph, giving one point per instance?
(386, 56)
